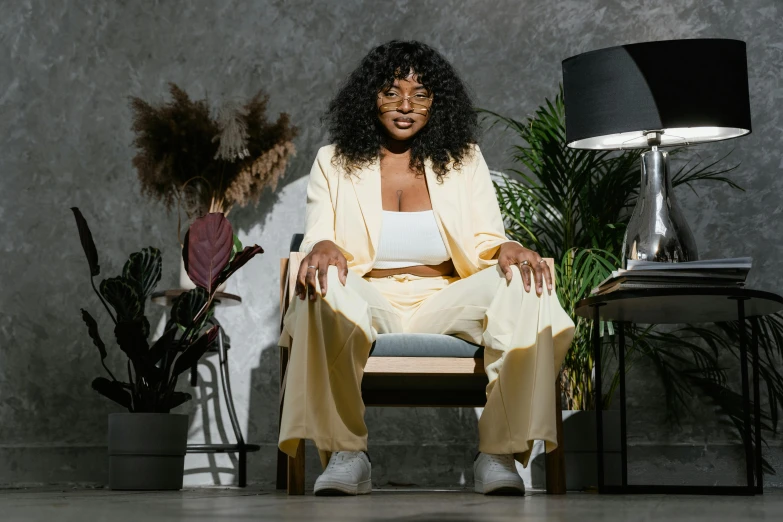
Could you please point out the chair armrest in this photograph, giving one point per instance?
(294, 261)
(551, 264)
(289, 268)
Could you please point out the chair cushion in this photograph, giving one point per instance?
(424, 345)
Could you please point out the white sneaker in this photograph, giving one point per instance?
(497, 475)
(348, 473)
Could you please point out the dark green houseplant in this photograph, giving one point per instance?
(573, 205)
(212, 253)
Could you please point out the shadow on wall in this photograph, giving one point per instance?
(208, 417)
(245, 218)
(210, 391)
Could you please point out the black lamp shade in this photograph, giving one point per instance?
(693, 90)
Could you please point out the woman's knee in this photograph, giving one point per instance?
(518, 275)
(495, 272)
(333, 283)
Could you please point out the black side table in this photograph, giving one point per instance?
(673, 306)
(241, 448)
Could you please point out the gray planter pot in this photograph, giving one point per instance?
(147, 450)
(580, 451)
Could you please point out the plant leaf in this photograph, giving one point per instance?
(130, 337)
(145, 326)
(113, 390)
(239, 261)
(133, 342)
(193, 353)
(92, 328)
(123, 297)
(163, 344)
(87, 243)
(186, 305)
(209, 241)
(144, 270)
(177, 399)
(235, 249)
(185, 247)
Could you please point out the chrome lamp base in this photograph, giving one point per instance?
(657, 230)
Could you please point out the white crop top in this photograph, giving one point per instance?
(410, 239)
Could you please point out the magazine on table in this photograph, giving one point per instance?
(708, 265)
(730, 272)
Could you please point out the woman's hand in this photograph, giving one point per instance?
(316, 264)
(514, 254)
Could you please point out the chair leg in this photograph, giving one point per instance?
(282, 458)
(555, 460)
(282, 470)
(296, 471)
(242, 472)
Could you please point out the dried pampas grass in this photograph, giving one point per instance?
(204, 163)
(264, 172)
(233, 132)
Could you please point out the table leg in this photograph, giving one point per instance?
(623, 427)
(745, 393)
(599, 418)
(754, 343)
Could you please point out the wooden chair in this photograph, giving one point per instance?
(409, 370)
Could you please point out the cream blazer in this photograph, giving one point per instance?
(348, 211)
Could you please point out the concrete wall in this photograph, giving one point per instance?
(67, 69)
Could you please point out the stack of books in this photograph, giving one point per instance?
(649, 274)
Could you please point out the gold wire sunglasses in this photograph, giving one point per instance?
(420, 102)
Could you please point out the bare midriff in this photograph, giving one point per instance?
(444, 269)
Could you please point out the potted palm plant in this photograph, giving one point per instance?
(208, 159)
(573, 205)
(147, 444)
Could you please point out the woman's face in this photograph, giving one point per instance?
(404, 108)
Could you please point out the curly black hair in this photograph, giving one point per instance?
(352, 119)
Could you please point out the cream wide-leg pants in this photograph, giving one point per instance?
(525, 338)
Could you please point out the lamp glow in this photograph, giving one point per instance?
(669, 137)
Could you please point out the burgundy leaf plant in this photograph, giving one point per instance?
(212, 254)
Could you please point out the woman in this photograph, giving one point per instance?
(403, 233)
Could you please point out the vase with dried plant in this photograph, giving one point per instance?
(206, 159)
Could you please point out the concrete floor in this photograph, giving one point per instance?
(218, 504)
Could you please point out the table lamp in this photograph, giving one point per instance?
(653, 95)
